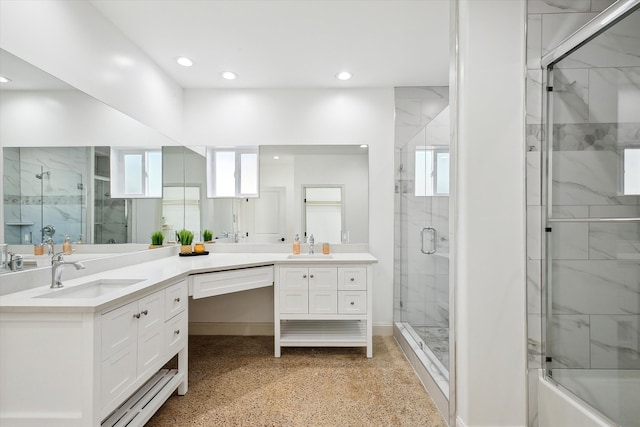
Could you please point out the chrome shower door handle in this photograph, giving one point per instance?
(435, 239)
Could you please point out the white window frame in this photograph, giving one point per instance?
(624, 150)
(435, 150)
(238, 152)
(118, 173)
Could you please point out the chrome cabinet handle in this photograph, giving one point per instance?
(311, 276)
(177, 332)
(137, 315)
(304, 276)
(353, 303)
(177, 299)
(435, 238)
(353, 279)
(145, 312)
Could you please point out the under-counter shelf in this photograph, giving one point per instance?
(323, 333)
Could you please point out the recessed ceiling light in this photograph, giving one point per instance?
(344, 75)
(276, 157)
(363, 145)
(229, 75)
(184, 61)
(4, 79)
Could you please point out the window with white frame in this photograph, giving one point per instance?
(136, 172)
(631, 171)
(431, 171)
(232, 172)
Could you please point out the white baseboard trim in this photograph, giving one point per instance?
(257, 328)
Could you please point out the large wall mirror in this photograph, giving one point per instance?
(56, 171)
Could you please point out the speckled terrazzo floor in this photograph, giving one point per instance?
(236, 381)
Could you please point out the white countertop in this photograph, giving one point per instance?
(155, 274)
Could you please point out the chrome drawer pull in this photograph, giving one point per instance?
(352, 279)
(145, 312)
(304, 276)
(311, 276)
(177, 332)
(177, 299)
(137, 315)
(353, 303)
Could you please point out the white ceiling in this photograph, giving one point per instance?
(291, 43)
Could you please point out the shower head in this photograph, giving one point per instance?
(40, 175)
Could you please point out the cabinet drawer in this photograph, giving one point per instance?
(323, 278)
(175, 299)
(175, 334)
(352, 278)
(294, 302)
(225, 282)
(321, 302)
(352, 302)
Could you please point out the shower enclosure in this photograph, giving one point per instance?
(421, 273)
(37, 196)
(591, 192)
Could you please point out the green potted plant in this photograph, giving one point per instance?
(185, 238)
(207, 236)
(156, 239)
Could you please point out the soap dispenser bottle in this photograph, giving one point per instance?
(296, 245)
(66, 246)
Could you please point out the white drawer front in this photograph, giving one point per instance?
(225, 282)
(294, 302)
(176, 299)
(321, 302)
(352, 278)
(176, 332)
(323, 278)
(352, 302)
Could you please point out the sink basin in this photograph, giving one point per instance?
(93, 289)
(314, 256)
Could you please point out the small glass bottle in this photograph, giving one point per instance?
(66, 246)
(38, 249)
(325, 248)
(296, 245)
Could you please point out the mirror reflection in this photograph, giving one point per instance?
(57, 144)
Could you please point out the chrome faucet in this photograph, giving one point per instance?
(50, 248)
(311, 241)
(57, 264)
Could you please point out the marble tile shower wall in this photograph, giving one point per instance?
(589, 119)
(421, 281)
(62, 192)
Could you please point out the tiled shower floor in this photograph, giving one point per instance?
(437, 339)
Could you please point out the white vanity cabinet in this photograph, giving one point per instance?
(91, 367)
(323, 305)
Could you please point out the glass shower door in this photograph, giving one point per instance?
(592, 225)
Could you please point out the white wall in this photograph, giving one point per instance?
(489, 234)
(72, 41)
(298, 117)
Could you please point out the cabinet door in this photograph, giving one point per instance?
(323, 278)
(323, 302)
(294, 302)
(294, 278)
(119, 351)
(150, 332)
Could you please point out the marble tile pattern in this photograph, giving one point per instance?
(595, 110)
(57, 198)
